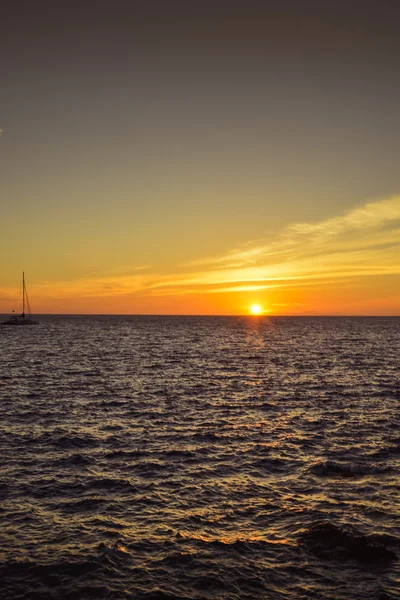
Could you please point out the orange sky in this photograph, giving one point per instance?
(346, 265)
(199, 158)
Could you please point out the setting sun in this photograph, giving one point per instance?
(255, 309)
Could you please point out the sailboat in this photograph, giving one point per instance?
(25, 318)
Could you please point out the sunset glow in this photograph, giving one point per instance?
(255, 309)
(193, 185)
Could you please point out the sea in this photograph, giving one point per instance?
(200, 458)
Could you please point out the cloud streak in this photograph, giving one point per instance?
(365, 241)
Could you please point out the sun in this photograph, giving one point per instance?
(255, 309)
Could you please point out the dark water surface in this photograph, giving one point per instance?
(200, 458)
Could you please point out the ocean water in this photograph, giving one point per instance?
(200, 458)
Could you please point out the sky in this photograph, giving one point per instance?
(200, 157)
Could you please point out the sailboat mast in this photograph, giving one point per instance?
(23, 292)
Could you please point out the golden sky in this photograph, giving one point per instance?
(198, 159)
(348, 264)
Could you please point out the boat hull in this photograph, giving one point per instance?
(19, 322)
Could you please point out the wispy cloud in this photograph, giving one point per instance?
(365, 241)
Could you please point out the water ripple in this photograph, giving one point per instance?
(200, 458)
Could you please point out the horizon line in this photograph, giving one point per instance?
(252, 316)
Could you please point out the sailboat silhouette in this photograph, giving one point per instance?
(25, 318)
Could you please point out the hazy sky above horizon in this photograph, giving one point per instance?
(199, 157)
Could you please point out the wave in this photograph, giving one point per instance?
(345, 542)
(74, 568)
(267, 465)
(83, 505)
(74, 460)
(158, 594)
(388, 451)
(60, 439)
(330, 468)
